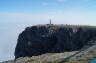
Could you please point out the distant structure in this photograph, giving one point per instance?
(50, 22)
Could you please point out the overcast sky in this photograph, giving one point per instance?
(15, 15)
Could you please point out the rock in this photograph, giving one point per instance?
(40, 39)
(85, 56)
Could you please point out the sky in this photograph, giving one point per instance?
(16, 15)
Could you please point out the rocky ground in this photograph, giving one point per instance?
(83, 56)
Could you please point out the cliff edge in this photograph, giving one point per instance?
(40, 39)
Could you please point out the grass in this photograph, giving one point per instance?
(33, 60)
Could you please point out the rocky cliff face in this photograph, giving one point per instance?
(40, 39)
(85, 56)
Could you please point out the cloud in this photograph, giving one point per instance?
(61, 0)
(56, 2)
(65, 17)
(70, 0)
(49, 3)
(52, 3)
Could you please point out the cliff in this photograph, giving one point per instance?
(40, 39)
(86, 55)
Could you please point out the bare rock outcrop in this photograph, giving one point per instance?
(40, 39)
